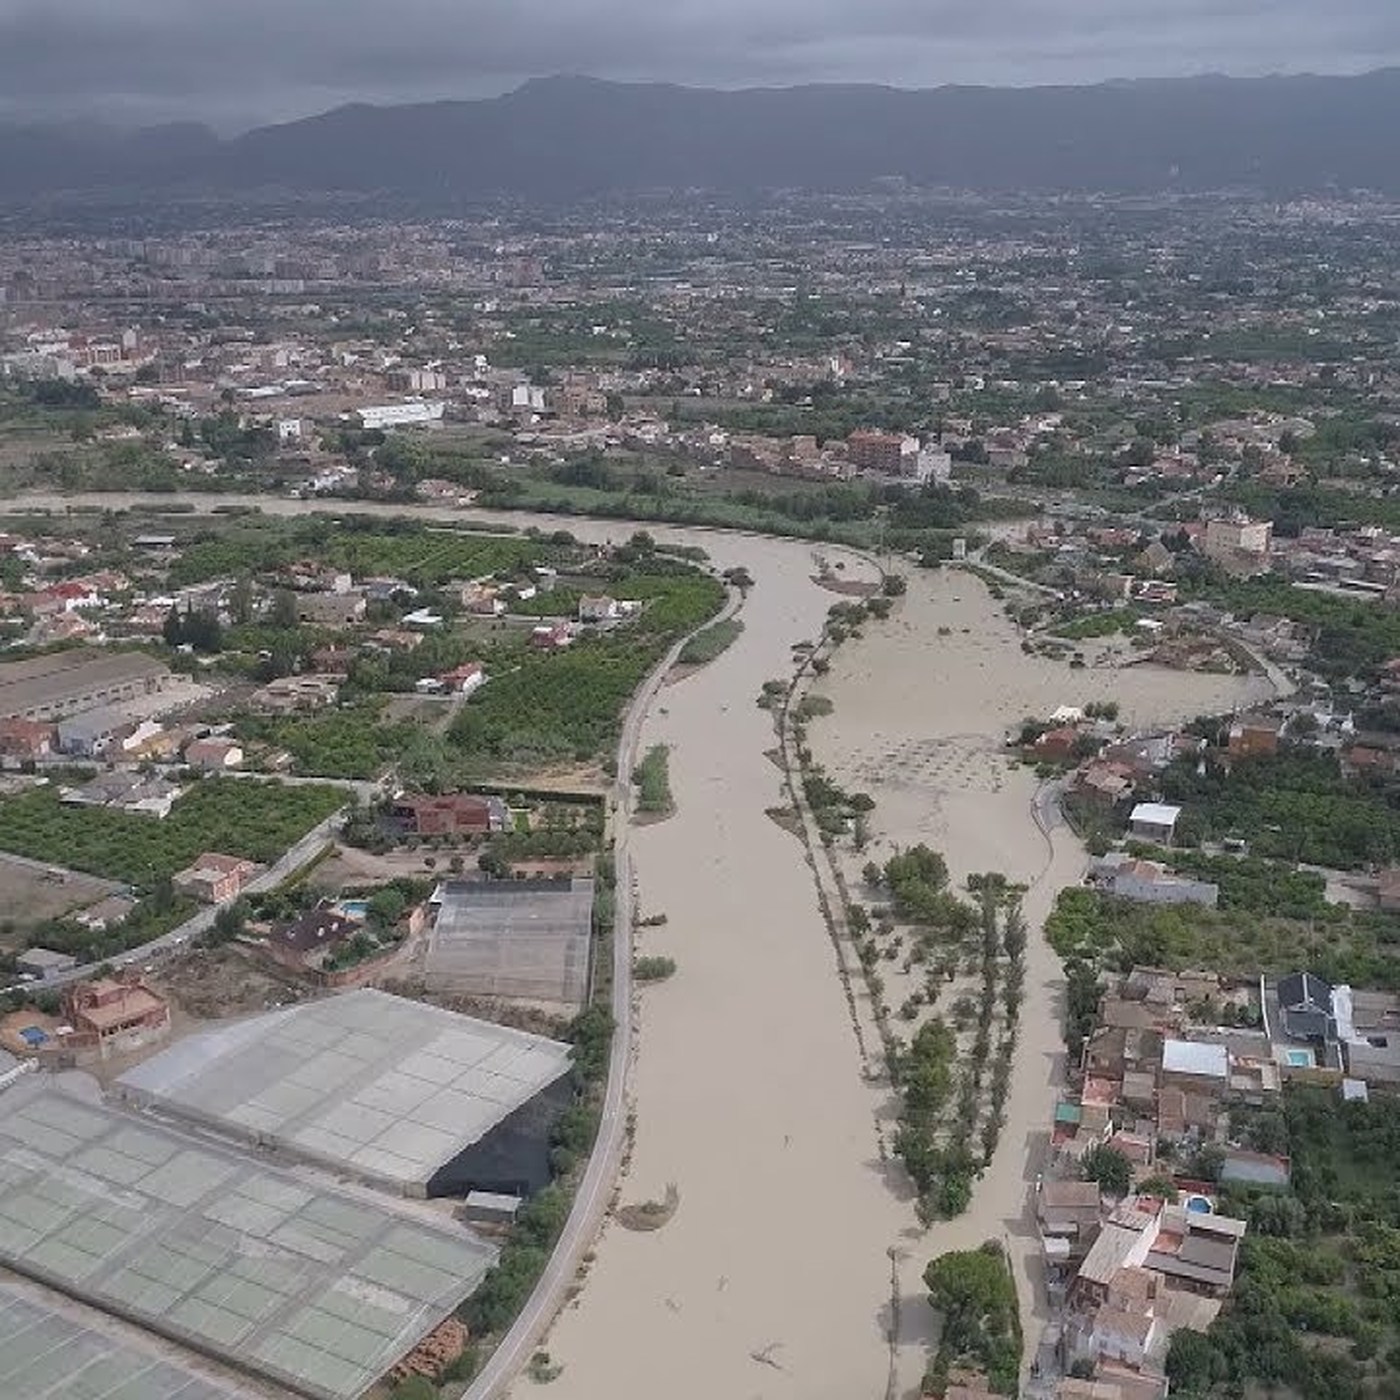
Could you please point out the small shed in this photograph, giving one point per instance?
(490, 1208)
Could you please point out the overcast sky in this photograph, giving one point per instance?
(239, 62)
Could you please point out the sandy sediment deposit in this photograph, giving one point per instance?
(922, 705)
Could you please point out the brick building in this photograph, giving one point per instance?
(451, 814)
(111, 1016)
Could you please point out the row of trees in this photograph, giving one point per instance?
(946, 1140)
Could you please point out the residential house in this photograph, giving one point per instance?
(1070, 1211)
(290, 694)
(599, 609)
(1239, 545)
(464, 679)
(389, 590)
(1126, 1340)
(1056, 745)
(1124, 1241)
(551, 637)
(1168, 992)
(330, 609)
(306, 940)
(125, 791)
(1196, 1252)
(1367, 760)
(1305, 1006)
(1253, 738)
(1149, 882)
(214, 755)
(450, 814)
(1118, 1334)
(1182, 1115)
(967, 1384)
(1078, 1388)
(482, 600)
(1154, 821)
(1195, 1067)
(332, 658)
(1104, 783)
(149, 739)
(1139, 1091)
(1147, 754)
(1114, 1051)
(114, 1015)
(1254, 1073)
(1374, 1058)
(215, 878)
(25, 739)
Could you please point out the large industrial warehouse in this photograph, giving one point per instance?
(69, 682)
(393, 1092)
(307, 1285)
(524, 939)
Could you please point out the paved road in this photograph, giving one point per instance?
(590, 1203)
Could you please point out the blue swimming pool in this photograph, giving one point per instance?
(354, 908)
(1299, 1059)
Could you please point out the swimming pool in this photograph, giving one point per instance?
(1299, 1059)
(354, 908)
(1199, 1205)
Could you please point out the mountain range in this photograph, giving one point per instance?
(561, 138)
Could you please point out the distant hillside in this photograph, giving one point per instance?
(563, 137)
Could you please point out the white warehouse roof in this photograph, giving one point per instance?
(388, 1089)
(1155, 814)
(1192, 1057)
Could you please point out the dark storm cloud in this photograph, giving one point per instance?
(246, 60)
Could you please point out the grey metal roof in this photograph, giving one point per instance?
(1195, 1057)
(513, 938)
(52, 1354)
(385, 1088)
(312, 1286)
